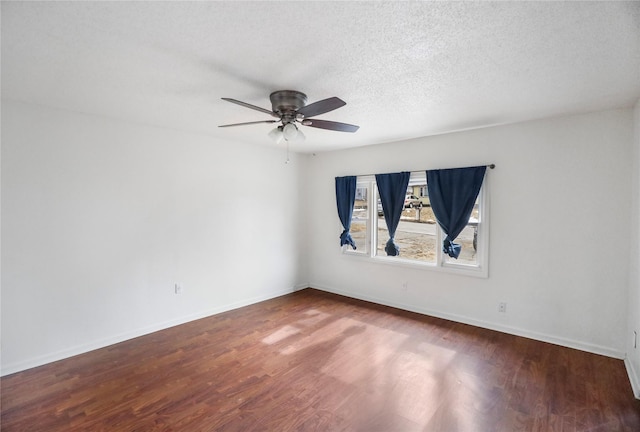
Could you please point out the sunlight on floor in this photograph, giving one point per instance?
(333, 333)
(371, 345)
(315, 317)
(421, 383)
(281, 334)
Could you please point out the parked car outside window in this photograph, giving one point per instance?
(412, 201)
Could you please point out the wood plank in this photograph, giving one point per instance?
(317, 361)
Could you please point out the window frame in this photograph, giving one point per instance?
(362, 250)
(441, 264)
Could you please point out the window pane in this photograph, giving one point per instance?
(359, 234)
(359, 219)
(416, 233)
(468, 240)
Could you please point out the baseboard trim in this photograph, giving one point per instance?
(633, 377)
(102, 343)
(582, 346)
(81, 349)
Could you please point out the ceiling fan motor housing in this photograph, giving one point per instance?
(286, 103)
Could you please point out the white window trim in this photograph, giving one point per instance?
(363, 250)
(368, 252)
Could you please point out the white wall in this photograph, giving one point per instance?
(100, 218)
(560, 217)
(633, 353)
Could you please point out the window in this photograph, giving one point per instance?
(418, 234)
(468, 238)
(360, 225)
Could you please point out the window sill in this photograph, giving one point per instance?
(458, 269)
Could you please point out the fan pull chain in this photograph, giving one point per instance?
(287, 161)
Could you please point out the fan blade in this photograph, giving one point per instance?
(247, 105)
(248, 123)
(321, 107)
(331, 125)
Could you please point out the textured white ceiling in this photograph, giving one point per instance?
(405, 69)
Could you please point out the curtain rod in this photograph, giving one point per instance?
(490, 166)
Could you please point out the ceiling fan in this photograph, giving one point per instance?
(289, 107)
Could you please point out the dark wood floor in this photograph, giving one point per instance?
(317, 361)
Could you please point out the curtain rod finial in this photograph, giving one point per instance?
(492, 166)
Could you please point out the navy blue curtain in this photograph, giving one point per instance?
(453, 193)
(345, 197)
(392, 189)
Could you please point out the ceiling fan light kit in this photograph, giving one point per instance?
(288, 132)
(276, 135)
(291, 133)
(290, 107)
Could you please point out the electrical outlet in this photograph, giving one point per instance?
(502, 307)
(178, 288)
